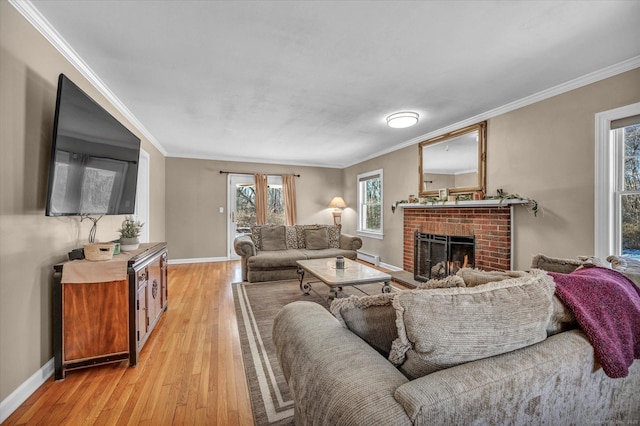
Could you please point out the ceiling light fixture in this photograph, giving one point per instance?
(400, 120)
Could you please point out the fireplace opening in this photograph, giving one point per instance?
(437, 256)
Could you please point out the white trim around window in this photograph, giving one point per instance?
(605, 233)
(362, 207)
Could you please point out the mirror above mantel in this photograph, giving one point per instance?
(455, 161)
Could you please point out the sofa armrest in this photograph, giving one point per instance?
(350, 242)
(334, 376)
(556, 381)
(243, 245)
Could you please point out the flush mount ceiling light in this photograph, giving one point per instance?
(400, 120)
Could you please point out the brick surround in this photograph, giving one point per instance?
(491, 227)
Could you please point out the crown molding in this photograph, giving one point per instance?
(40, 23)
(576, 83)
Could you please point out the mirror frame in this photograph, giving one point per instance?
(481, 128)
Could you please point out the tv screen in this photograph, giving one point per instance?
(94, 158)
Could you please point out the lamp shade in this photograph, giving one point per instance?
(337, 202)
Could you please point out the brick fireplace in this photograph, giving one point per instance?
(490, 226)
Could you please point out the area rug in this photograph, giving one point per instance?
(256, 306)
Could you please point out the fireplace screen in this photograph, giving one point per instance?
(437, 256)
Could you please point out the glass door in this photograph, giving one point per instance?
(242, 208)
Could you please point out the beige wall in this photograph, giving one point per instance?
(196, 190)
(30, 242)
(544, 151)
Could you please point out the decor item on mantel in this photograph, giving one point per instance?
(129, 234)
(529, 203)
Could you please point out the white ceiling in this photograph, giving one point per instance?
(310, 82)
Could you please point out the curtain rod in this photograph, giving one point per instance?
(244, 173)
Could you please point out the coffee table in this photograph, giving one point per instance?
(353, 274)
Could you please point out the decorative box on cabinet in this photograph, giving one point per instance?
(102, 322)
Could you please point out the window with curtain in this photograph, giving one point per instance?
(370, 204)
(625, 134)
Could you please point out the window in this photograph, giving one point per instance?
(370, 203)
(617, 182)
(627, 191)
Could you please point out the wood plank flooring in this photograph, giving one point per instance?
(190, 371)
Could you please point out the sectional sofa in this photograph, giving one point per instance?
(478, 348)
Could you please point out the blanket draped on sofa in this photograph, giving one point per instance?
(606, 305)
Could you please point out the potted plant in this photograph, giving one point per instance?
(129, 234)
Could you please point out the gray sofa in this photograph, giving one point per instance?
(336, 378)
(270, 252)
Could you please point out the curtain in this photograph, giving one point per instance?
(261, 198)
(289, 191)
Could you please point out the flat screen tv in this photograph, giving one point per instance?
(94, 158)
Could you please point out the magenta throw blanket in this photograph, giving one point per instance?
(606, 305)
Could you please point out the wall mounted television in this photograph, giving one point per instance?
(94, 158)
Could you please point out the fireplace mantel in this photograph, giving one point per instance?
(463, 204)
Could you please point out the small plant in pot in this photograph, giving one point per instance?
(129, 234)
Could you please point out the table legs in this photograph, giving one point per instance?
(304, 287)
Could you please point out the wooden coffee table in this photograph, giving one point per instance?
(353, 274)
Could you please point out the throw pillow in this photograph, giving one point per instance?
(334, 235)
(316, 239)
(474, 277)
(440, 328)
(292, 237)
(626, 266)
(273, 238)
(555, 264)
(256, 236)
(372, 318)
(447, 282)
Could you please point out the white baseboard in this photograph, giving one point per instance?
(24, 391)
(390, 267)
(198, 260)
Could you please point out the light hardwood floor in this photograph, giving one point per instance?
(190, 371)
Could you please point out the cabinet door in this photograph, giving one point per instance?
(95, 319)
(141, 314)
(164, 277)
(154, 291)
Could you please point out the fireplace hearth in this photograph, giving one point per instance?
(437, 256)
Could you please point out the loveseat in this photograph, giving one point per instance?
(270, 253)
(339, 371)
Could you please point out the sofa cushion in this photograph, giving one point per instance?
(256, 236)
(441, 328)
(273, 238)
(372, 318)
(316, 238)
(329, 253)
(276, 259)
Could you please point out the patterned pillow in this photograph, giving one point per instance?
(256, 236)
(334, 235)
(292, 237)
(440, 328)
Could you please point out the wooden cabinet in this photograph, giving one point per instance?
(101, 322)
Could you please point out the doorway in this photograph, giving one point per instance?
(242, 209)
